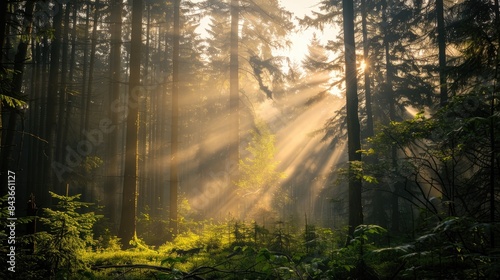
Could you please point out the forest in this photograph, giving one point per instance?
(169, 139)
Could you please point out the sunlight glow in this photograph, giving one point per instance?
(362, 65)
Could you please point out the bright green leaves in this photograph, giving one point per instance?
(259, 169)
(66, 234)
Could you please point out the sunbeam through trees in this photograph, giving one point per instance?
(249, 139)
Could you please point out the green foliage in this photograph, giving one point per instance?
(456, 248)
(258, 170)
(359, 170)
(12, 99)
(66, 235)
(259, 178)
(444, 155)
(151, 228)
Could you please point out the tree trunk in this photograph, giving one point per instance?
(84, 90)
(42, 193)
(353, 127)
(234, 110)
(51, 122)
(366, 49)
(174, 180)
(129, 199)
(392, 116)
(144, 114)
(493, 181)
(114, 144)
(63, 95)
(91, 66)
(441, 37)
(3, 30)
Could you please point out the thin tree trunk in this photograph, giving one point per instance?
(129, 199)
(34, 116)
(441, 37)
(367, 71)
(114, 146)
(493, 153)
(174, 180)
(144, 123)
(91, 66)
(63, 89)
(52, 95)
(234, 100)
(84, 89)
(41, 172)
(353, 127)
(3, 31)
(392, 116)
(378, 209)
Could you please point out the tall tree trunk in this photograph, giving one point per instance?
(234, 99)
(84, 89)
(493, 181)
(114, 144)
(34, 116)
(391, 100)
(174, 176)
(3, 31)
(72, 59)
(129, 199)
(64, 109)
(441, 37)
(367, 71)
(51, 122)
(42, 161)
(378, 203)
(353, 127)
(91, 66)
(144, 113)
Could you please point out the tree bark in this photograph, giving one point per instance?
(129, 199)
(84, 90)
(392, 115)
(234, 111)
(353, 127)
(367, 70)
(91, 66)
(51, 122)
(174, 179)
(63, 88)
(441, 37)
(114, 143)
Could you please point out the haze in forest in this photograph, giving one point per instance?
(298, 138)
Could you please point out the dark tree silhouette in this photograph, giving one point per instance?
(353, 127)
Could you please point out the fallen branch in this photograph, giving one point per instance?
(146, 266)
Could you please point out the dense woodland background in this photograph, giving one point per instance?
(182, 139)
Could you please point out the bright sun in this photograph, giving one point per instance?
(362, 65)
